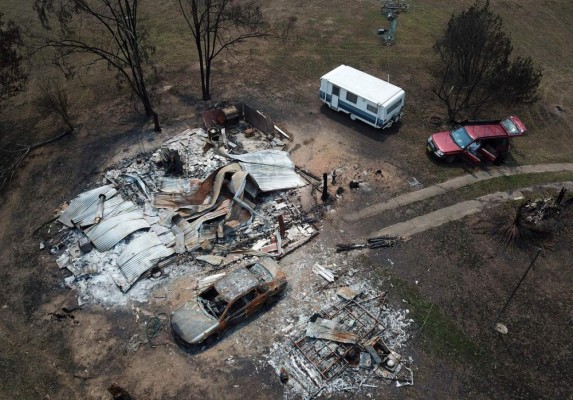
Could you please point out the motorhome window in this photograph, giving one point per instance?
(335, 91)
(351, 97)
(372, 109)
(394, 106)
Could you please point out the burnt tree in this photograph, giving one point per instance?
(13, 77)
(54, 99)
(218, 26)
(475, 66)
(109, 31)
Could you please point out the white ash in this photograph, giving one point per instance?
(100, 287)
(305, 381)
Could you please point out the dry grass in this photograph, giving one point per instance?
(336, 32)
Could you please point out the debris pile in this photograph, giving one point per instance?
(198, 193)
(371, 243)
(531, 222)
(350, 345)
(543, 208)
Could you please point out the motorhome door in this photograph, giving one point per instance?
(335, 94)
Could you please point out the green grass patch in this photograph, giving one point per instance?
(512, 182)
(443, 337)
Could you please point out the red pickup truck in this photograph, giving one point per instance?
(476, 141)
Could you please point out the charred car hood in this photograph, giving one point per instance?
(189, 321)
(444, 142)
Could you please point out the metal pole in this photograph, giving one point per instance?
(324, 196)
(519, 284)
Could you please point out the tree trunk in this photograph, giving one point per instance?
(206, 82)
(149, 112)
(157, 127)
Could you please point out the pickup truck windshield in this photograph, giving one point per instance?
(510, 127)
(461, 137)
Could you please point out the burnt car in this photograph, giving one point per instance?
(228, 301)
(476, 141)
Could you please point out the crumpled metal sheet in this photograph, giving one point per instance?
(167, 184)
(112, 207)
(202, 199)
(83, 202)
(110, 231)
(141, 255)
(271, 169)
(192, 231)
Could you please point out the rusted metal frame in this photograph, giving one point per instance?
(309, 359)
(319, 360)
(367, 312)
(337, 361)
(334, 310)
(346, 308)
(337, 356)
(368, 330)
(340, 360)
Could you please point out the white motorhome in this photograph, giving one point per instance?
(364, 97)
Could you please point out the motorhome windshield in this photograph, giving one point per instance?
(461, 137)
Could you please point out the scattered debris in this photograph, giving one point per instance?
(324, 272)
(529, 222)
(283, 376)
(197, 193)
(346, 293)
(330, 330)
(414, 182)
(204, 283)
(343, 347)
(371, 243)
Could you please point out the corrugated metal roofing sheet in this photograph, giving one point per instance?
(167, 184)
(110, 231)
(271, 169)
(83, 202)
(112, 207)
(140, 255)
(137, 245)
(117, 233)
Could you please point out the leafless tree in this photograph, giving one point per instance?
(108, 30)
(12, 74)
(219, 26)
(476, 69)
(54, 99)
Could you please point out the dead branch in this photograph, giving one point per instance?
(10, 163)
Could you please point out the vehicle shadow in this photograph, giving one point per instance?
(470, 168)
(214, 340)
(379, 135)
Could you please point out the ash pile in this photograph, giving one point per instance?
(352, 345)
(200, 201)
